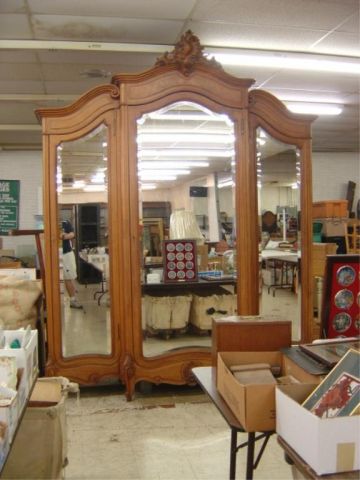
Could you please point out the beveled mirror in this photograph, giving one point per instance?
(186, 157)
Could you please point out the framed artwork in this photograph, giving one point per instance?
(180, 261)
(341, 297)
(338, 394)
(330, 353)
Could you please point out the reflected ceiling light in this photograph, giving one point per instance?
(171, 164)
(294, 186)
(184, 152)
(314, 108)
(78, 184)
(187, 137)
(188, 116)
(158, 176)
(104, 144)
(290, 62)
(260, 141)
(99, 177)
(168, 171)
(105, 159)
(148, 186)
(94, 188)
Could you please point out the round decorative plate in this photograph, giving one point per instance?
(190, 274)
(180, 265)
(344, 299)
(189, 265)
(170, 247)
(171, 266)
(181, 274)
(180, 256)
(171, 275)
(188, 256)
(179, 247)
(188, 247)
(345, 275)
(170, 256)
(341, 322)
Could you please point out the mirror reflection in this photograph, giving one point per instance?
(186, 191)
(82, 200)
(278, 183)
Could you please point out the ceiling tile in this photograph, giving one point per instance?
(12, 6)
(23, 71)
(115, 59)
(17, 56)
(11, 112)
(243, 36)
(155, 9)
(15, 26)
(339, 43)
(308, 14)
(109, 29)
(352, 25)
(20, 86)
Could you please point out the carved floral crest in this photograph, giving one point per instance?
(187, 54)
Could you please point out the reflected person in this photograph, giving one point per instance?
(69, 263)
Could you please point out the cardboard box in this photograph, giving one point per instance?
(9, 410)
(330, 208)
(26, 357)
(327, 445)
(333, 227)
(319, 253)
(253, 405)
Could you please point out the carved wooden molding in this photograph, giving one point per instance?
(188, 53)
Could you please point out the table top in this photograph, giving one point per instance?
(206, 378)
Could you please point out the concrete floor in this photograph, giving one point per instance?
(171, 433)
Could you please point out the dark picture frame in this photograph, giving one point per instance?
(330, 353)
(341, 297)
(180, 261)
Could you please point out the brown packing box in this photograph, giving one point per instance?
(45, 394)
(253, 405)
(261, 333)
(333, 227)
(330, 208)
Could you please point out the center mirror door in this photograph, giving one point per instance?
(278, 186)
(82, 199)
(186, 173)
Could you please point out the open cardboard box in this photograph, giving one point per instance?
(327, 445)
(46, 393)
(252, 404)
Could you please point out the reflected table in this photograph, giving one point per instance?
(206, 378)
(100, 261)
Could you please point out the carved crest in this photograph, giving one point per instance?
(187, 54)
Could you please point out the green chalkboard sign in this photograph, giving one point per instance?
(9, 205)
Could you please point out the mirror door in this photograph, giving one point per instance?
(278, 186)
(82, 200)
(186, 158)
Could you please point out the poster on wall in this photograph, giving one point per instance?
(9, 205)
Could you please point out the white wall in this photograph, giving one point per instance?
(331, 173)
(26, 167)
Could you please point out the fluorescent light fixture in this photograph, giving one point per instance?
(99, 177)
(173, 165)
(157, 176)
(314, 108)
(104, 144)
(314, 63)
(165, 171)
(94, 188)
(294, 186)
(149, 186)
(78, 184)
(186, 137)
(228, 183)
(184, 152)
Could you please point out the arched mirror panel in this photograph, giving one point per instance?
(85, 283)
(281, 144)
(186, 160)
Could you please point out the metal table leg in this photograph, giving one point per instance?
(233, 451)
